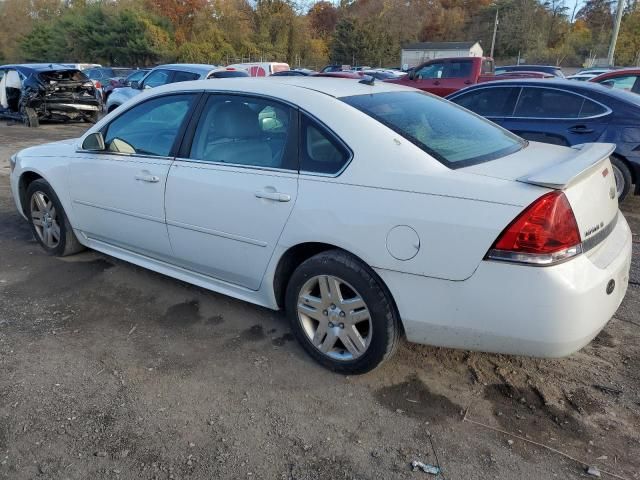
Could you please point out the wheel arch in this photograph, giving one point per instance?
(26, 178)
(634, 170)
(295, 255)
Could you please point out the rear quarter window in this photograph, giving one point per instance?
(321, 151)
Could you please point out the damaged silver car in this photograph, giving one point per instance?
(33, 92)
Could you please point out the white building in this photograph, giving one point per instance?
(416, 53)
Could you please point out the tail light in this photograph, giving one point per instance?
(98, 85)
(545, 233)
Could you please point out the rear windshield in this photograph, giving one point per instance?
(450, 134)
(62, 76)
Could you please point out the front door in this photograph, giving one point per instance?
(118, 195)
(231, 192)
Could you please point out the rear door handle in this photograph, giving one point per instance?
(437, 82)
(275, 196)
(147, 177)
(581, 129)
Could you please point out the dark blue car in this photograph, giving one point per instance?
(568, 113)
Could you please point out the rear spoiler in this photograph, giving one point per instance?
(561, 175)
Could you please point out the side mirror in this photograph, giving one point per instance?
(608, 83)
(94, 142)
(135, 85)
(412, 74)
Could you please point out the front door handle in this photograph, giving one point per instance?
(275, 196)
(147, 177)
(580, 129)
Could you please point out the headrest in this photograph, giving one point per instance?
(237, 120)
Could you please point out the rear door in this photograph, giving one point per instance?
(230, 192)
(557, 116)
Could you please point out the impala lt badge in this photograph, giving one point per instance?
(593, 229)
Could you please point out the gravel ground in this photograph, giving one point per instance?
(109, 371)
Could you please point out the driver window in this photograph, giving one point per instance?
(433, 70)
(157, 78)
(149, 128)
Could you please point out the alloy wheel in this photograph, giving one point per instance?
(335, 317)
(45, 219)
(619, 177)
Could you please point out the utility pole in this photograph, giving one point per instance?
(495, 29)
(614, 35)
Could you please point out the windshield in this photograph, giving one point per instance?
(450, 134)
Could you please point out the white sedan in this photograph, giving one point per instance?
(366, 210)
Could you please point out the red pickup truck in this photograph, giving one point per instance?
(443, 76)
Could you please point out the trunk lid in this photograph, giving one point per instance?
(583, 173)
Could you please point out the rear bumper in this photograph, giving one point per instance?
(515, 309)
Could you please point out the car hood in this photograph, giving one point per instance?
(125, 93)
(51, 149)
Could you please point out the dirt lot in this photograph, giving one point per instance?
(109, 371)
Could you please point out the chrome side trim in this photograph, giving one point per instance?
(120, 211)
(217, 233)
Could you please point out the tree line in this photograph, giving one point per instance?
(361, 32)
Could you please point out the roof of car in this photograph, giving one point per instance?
(335, 87)
(579, 87)
(39, 67)
(189, 67)
(531, 66)
(619, 72)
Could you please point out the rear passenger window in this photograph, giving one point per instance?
(246, 131)
(321, 151)
(185, 77)
(591, 109)
(548, 103)
(489, 101)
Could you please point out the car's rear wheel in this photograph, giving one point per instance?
(341, 313)
(49, 223)
(622, 175)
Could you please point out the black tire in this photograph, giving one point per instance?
(93, 117)
(621, 171)
(68, 243)
(31, 118)
(385, 324)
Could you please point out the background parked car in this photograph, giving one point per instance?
(565, 113)
(382, 74)
(261, 69)
(228, 72)
(298, 72)
(553, 70)
(341, 74)
(102, 76)
(134, 76)
(624, 79)
(582, 77)
(161, 75)
(33, 92)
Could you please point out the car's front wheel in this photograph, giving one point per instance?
(341, 314)
(49, 223)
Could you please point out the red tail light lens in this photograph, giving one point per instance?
(98, 85)
(546, 232)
